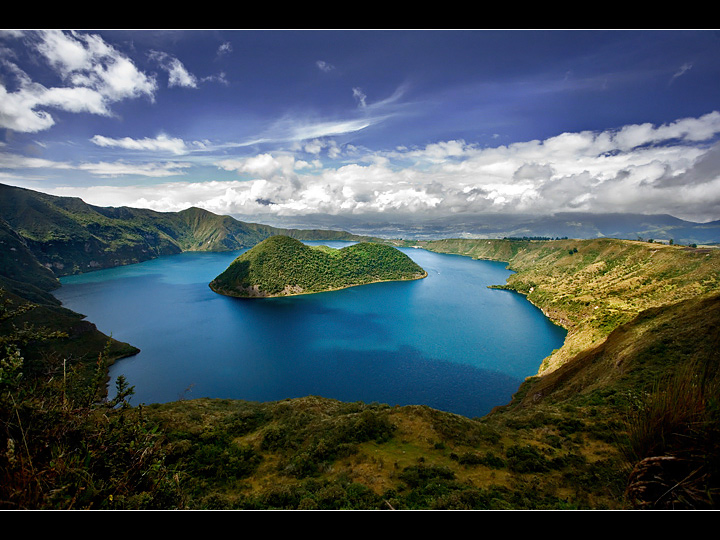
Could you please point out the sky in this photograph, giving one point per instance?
(373, 123)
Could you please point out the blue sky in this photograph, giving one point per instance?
(371, 123)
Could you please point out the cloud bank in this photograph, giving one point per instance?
(672, 168)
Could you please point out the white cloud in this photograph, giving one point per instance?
(438, 152)
(120, 168)
(76, 100)
(262, 165)
(178, 75)
(18, 111)
(13, 161)
(327, 129)
(161, 143)
(360, 96)
(66, 53)
(683, 69)
(85, 60)
(224, 48)
(639, 168)
(688, 129)
(94, 75)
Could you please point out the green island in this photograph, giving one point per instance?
(284, 266)
(623, 416)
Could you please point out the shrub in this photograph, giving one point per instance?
(527, 458)
(420, 475)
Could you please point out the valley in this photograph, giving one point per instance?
(595, 428)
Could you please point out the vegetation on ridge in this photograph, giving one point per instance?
(282, 266)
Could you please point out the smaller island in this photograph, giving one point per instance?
(284, 266)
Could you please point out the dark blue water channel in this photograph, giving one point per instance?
(447, 341)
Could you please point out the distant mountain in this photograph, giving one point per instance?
(625, 226)
(577, 225)
(284, 266)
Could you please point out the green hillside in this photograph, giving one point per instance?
(283, 266)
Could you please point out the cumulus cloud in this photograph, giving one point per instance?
(18, 110)
(92, 74)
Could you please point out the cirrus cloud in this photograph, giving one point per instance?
(161, 143)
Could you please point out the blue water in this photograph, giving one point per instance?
(447, 341)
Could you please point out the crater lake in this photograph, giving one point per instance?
(446, 341)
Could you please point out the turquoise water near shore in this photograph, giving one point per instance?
(446, 341)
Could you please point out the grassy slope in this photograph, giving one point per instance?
(20, 271)
(282, 266)
(26, 286)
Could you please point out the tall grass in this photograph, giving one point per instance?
(679, 407)
(673, 443)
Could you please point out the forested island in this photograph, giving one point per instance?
(284, 266)
(623, 416)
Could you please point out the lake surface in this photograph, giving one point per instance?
(447, 341)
